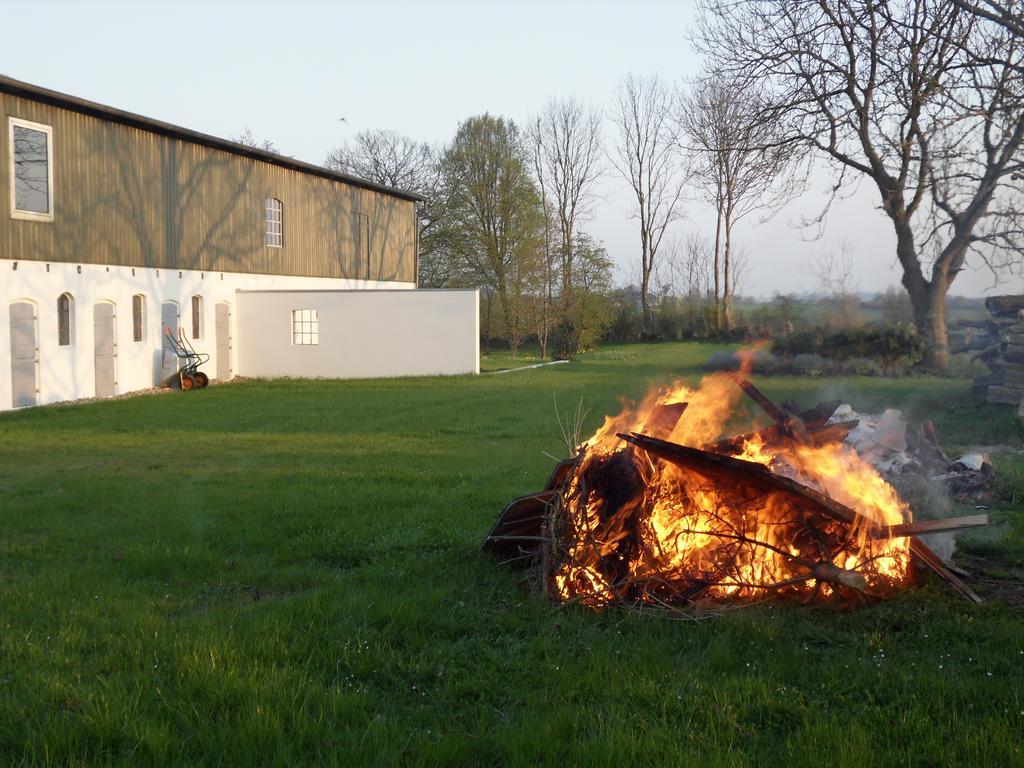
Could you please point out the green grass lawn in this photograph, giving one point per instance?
(498, 359)
(286, 573)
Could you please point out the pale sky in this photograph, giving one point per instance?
(291, 70)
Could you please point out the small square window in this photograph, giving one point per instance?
(305, 326)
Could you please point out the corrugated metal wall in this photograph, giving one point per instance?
(130, 197)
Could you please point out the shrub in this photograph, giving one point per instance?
(809, 364)
(565, 340)
(890, 344)
(763, 363)
(861, 366)
(799, 343)
(722, 360)
(766, 364)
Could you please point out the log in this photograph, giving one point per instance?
(923, 527)
(823, 435)
(985, 323)
(521, 522)
(761, 399)
(974, 343)
(1004, 305)
(1014, 353)
(560, 472)
(1017, 369)
(991, 351)
(729, 471)
(519, 525)
(814, 422)
(833, 433)
(819, 415)
(924, 553)
(726, 468)
(663, 419)
(993, 393)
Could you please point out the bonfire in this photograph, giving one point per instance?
(657, 507)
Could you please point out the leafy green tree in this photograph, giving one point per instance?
(591, 311)
(494, 220)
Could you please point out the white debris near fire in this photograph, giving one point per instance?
(912, 460)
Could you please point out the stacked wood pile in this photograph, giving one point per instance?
(530, 529)
(998, 341)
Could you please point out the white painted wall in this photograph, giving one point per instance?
(362, 334)
(67, 373)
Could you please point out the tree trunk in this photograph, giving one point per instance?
(930, 318)
(511, 331)
(567, 257)
(727, 271)
(927, 299)
(487, 309)
(718, 242)
(645, 283)
(645, 319)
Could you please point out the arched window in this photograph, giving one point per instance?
(274, 210)
(197, 317)
(138, 317)
(65, 319)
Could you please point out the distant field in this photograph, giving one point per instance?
(286, 573)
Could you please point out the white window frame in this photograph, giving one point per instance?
(305, 327)
(197, 316)
(16, 213)
(142, 318)
(71, 319)
(273, 229)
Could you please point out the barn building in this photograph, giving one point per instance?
(119, 226)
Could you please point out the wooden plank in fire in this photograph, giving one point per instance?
(520, 524)
(924, 527)
(719, 468)
(755, 394)
(818, 435)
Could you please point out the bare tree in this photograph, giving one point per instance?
(550, 255)
(1002, 13)
(647, 155)
(834, 271)
(918, 96)
(685, 274)
(567, 140)
(739, 162)
(388, 158)
(393, 160)
(686, 268)
(247, 139)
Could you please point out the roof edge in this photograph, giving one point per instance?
(103, 112)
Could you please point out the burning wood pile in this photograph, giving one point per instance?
(999, 343)
(658, 508)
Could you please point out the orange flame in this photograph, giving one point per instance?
(639, 528)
